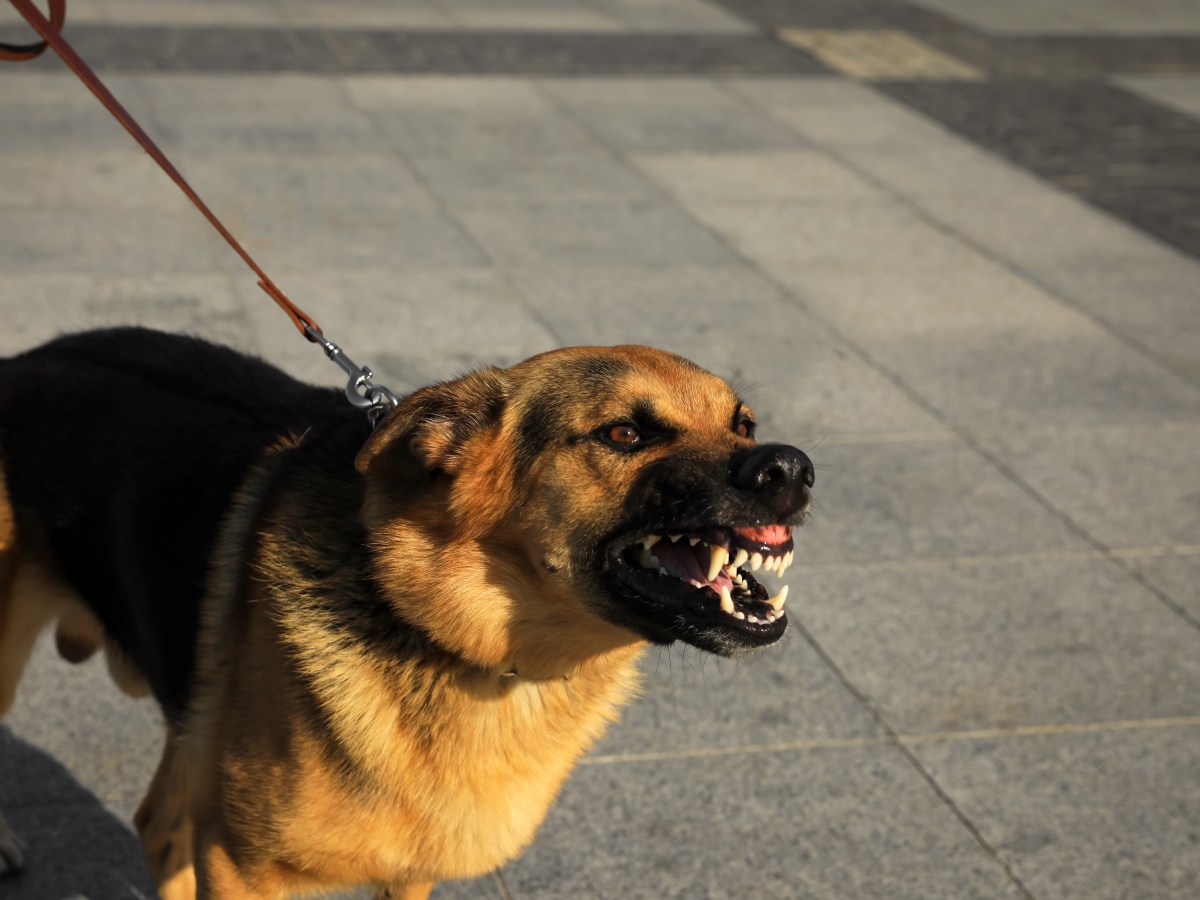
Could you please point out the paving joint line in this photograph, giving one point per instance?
(895, 738)
(1172, 551)
(914, 761)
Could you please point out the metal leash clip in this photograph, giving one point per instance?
(361, 391)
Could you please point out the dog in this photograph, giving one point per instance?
(378, 652)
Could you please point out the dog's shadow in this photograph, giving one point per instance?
(73, 846)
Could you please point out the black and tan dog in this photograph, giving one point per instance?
(379, 654)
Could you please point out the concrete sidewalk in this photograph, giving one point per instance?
(951, 252)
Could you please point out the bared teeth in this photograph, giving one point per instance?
(650, 540)
(742, 555)
(719, 557)
(756, 562)
(693, 540)
(726, 600)
(674, 537)
(778, 600)
(787, 561)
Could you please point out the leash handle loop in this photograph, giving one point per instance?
(22, 52)
(49, 30)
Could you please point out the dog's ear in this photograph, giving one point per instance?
(428, 430)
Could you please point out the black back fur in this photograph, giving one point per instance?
(122, 450)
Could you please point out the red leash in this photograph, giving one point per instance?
(361, 392)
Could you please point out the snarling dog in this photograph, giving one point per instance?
(378, 653)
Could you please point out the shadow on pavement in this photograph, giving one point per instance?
(56, 820)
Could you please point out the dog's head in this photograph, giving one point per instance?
(558, 506)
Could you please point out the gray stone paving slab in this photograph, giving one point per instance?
(105, 857)
(116, 242)
(661, 115)
(756, 177)
(205, 305)
(56, 112)
(834, 110)
(986, 348)
(417, 240)
(1106, 816)
(1122, 484)
(1004, 643)
(530, 15)
(189, 12)
(480, 178)
(413, 327)
(118, 179)
(1179, 92)
(110, 742)
(802, 384)
(1176, 576)
(850, 822)
(914, 499)
(279, 113)
(644, 233)
(1131, 282)
(365, 187)
(798, 233)
(365, 14)
(672, 15)
(445, 116)
(781, 695)
(1065, 17)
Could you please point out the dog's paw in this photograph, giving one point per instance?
(11, 858)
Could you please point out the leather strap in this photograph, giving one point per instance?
(49, 30)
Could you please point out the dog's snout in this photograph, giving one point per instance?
(778, 473)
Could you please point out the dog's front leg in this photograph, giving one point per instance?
(164, 825)
(218, 877)
(11, 859)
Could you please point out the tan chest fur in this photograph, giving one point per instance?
(456, 771)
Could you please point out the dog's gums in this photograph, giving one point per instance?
(701, 573)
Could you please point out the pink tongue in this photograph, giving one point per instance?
(683, 560)
(767, 534)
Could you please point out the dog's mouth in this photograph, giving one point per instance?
(699, 582)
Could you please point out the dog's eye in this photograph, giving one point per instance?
(745, 428)
(622, 434)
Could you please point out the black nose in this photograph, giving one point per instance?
(780, 474)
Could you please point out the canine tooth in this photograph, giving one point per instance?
(742, 555)
(693, 540)
(756, 562)
(650, 540)
(719, 556)
(726, 601)
(778, 600)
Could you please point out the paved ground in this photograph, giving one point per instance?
(951, 248)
